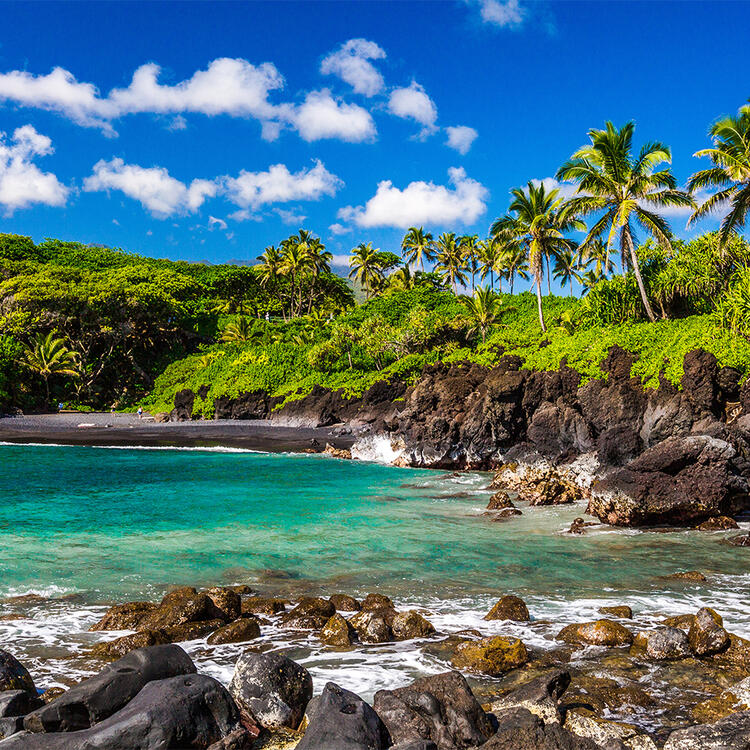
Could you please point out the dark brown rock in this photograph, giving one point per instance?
(409, 625)
(13, 675)
(338, 633)
(707, 636)
(499, 501)
(622, 611)
(345, 603)
(372, 626)
(376, 601)
(311, 613)
(490, 656)
(263, 605)
(719, 523)
(599, 633)
(128, 616)
(688, 575)
(116, 649)
(244, 629)
(227, 603)
(509, 607)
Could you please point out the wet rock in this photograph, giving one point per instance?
(372, 626)
(338, 633)
(341, 720)
(13, 675)
(191, 631)
(737, 655)
(743, 540)
(177, 609)
(680, 481)
(622, 611)
(337, 452)
(273, 689)
(278, 739)
(509, 607)
(116, 649)
(128, 616)
(439, 708)
(186, 711)
(311, 613)
(505, 514)
(345, 603)
(547, 487)
(183, 406)
(540, 696)
(237, 739)
(376, 601)
(409, 625)
(52, 693)
(244, 629)
(603, 731)
(579, 526)
(10, 725)
(18, 703)
(706, 636)
(688, 575)
(718, 523)
(729, 733)
(491, 656)
(662, 644)
(732, 700)
(499, 501)
(519, 729)
(117, 684)
(599, 633)
(262, 605)
(227, 603)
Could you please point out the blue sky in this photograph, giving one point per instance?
(245, 117)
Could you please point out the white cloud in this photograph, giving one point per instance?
(214, 222)
(413, 103)
(340, 259)
(502, 13)
(421, 203)
(153, 187)
(251, 190)
(337, 229)
(351, 63)
(22, 183)
(321, 116)
(290, 217)
(461, 137)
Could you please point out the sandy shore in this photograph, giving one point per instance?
(127, 429)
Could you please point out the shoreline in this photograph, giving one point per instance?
(127, 430)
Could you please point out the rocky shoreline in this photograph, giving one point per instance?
(684, 680)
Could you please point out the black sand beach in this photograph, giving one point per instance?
(127, 429)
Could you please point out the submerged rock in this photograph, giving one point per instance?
(732, 700)
(729, 733)
(718, 523)
(509, 607)
(273, 689)
(622, 611)
(688, 575)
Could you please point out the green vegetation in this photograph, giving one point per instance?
(95, 326)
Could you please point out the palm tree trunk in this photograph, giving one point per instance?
(549, 282)
(512, 279)
(46, 387)
(539, 303)
(637, 272)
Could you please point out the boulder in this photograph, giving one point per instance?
(128, 616)
(187, 711)
(10, 725)
(733, 699)
(374, 602)
(311, 613)
(340, 720)
(599, 633)
(273, 689)
(707, 636)
(729, 733)
(681, 481)
(372, 626)
(688, 575)
(338, 633)
(13, 675)
(345, 603)
(622, 611)
(262, 605)
(244, 629)
(662, 644)
(227, 603)
(499, 501)
(409, 625)
(18, 703)
(509, 607)
(191, 631)
(178, 608)
(440, 708)
(101, 696)
(541, 696)
(718, 523)
(183, 406)
(491, 656)
(116, 649)
(547, 487)
(741, 540)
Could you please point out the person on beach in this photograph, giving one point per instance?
(60, 406)
(112, 410)
(140, 412)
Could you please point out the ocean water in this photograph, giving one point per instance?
(83, 527)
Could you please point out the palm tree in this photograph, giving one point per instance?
(47, 356)
(271, 261)
(417, 247)
(537, 223)
(296, 261)
(484, 309)
(590, 279)
(625, 190)
(319, 260)
(364, 267)
(238, 330)
(566, 268)
(469, 251)
(487, 253)
(595, 252)
(403, 279)
(516, 263)
(450, 260)
(731, 172)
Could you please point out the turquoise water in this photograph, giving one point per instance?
(112, 524)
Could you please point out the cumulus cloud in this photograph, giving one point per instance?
(421, 203)
(461, 137)
(321, 116)
(251, 190)
(214, 222)
(290, 217)
(337, 229)
(157, 191)
(351, 63)
(413, 103)
(502, 13)
(22, 183)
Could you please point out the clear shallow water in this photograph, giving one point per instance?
(108, 525)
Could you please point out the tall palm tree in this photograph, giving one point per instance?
(364, 266)
(566, 268)
(295, 264)
(469, 250)
(417, 246)
(595, 253)
(271, 261)
(450, 260)
(47, 355)
(487, 252)
(484, 309)
(625, 189)
(516, 263)
(319, 261)
(590, 279)
(536, 222)
(731, 172)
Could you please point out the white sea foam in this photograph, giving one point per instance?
(180, 448)
(378, 448)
